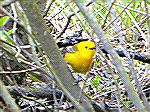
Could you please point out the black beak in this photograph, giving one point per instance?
(93, 48)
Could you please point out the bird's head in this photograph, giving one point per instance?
(86, 48)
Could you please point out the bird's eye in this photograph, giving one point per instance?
(86, 47)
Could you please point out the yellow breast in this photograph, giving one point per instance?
(81, 59)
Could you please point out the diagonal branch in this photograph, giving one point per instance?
(115, 58)
(59, 69)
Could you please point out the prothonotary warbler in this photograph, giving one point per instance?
(81, 59)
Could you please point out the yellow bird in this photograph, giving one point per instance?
(81, 59)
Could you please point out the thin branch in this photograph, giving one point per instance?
(136, 24)
(58, 12)
(111, 5)
(49, 3)
(77, 15)
(65, 27)
(40, 68)
(140, 12)
(21, 71)
(9, 101)
(69, 18)
(133, 26)
(117, 16)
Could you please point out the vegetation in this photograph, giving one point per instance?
(34, 36)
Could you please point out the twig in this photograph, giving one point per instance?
(8, 14)
(35, 66)
(58, 13)
(122, 32)
(80, 21)
(15, 23)
(116, 17)
(21, 71)
(136, 24)
(111, 4)
(14, 30)
(42, 91)
(69, 18)
(65, 27)
(49, 3)
(140, 12)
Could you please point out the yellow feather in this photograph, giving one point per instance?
(81, 59)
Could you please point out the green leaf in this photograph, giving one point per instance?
(99, 88)
(10, 32)
(3, 20)
(148, 2)
(33, 78)
(95, 81)
(4, 36)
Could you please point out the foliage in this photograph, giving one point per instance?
(126, 27)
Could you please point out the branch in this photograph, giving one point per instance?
(46, 91)
(115, 58)
(70, 16)
(9, 101)
(60, 70)
(135, 55)
(49, 3)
